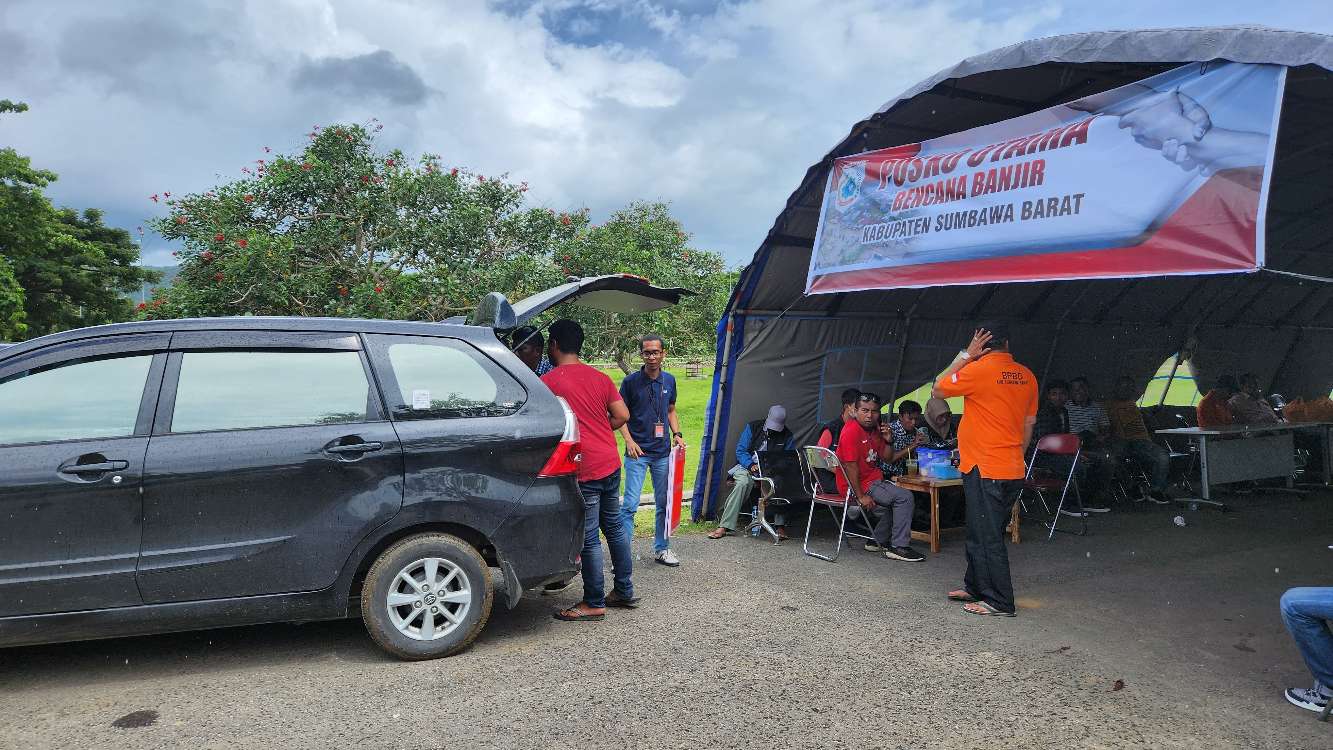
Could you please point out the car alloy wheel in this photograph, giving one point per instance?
(429, 599)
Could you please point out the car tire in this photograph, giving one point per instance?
(413, 618)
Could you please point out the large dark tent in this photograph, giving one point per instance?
(777, 345)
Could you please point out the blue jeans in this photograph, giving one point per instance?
(635, 471)
(601, 509)
(1307, 612)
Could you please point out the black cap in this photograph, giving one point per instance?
(999, 331)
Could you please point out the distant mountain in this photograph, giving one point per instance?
(168, 274)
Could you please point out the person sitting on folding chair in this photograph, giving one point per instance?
(939, 425)
(903, 435)
(1088, 420)
(861, 447)
(1130, 440)
(769, 434)
(832, 430)
(1053, 419)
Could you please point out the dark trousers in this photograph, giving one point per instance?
(989, 503)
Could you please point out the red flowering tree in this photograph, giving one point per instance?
(341, 229)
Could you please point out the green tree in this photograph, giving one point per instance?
(646, 240)
(13, 316)
(342, 230)
(71, 269)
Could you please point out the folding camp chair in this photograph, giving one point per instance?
(823, 458)
(1042, 481)
(779, 477)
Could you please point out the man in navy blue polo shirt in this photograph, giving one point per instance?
(649, 434)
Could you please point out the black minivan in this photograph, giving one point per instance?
(186, 474)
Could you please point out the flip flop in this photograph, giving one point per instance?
(961, 595)
(720, 532)
(573, 614)
(987, 610)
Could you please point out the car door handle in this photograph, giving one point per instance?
(355, 448)
(97, 468)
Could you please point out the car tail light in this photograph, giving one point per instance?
(565, 460)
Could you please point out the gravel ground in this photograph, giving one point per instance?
(754, 645)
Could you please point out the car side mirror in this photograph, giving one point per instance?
(494, 311)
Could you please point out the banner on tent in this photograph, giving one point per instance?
(1165, 176)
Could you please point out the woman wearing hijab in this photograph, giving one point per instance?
(939, 424)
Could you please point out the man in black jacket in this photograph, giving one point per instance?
(768, 434)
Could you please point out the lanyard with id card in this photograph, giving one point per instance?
(659, 427)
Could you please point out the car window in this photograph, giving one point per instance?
(442, 379)
(74, 401)
(234, 390)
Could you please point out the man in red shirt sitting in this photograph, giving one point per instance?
(860, 449)
(596, 403)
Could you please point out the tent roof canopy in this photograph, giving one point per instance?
(1040, 73)
(777, 345)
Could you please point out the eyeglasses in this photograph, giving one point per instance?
(652, 353)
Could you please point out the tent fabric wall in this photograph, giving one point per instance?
(1278, 326)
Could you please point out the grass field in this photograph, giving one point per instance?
(691, 403)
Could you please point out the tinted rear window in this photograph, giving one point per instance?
(249, 389)
(443, 379)
(77, 401)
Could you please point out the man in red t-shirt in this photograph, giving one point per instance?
(597, 405)
(860, 448)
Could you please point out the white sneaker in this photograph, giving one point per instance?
(1309, 699)
(668, 558)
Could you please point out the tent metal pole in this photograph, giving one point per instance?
(902, 352)
(722, 384)
(902, 355)
(1050, 354)
(1169, 379)
(1059, 328)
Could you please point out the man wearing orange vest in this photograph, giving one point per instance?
(999, 411)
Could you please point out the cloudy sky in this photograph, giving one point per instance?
(718, 108)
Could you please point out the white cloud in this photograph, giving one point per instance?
(719, 110)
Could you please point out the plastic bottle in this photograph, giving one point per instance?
(754, 520)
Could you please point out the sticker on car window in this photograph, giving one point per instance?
(420, 399)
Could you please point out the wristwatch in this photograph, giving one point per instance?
(678, 434)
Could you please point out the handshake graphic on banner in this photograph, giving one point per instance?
(1178, 126)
